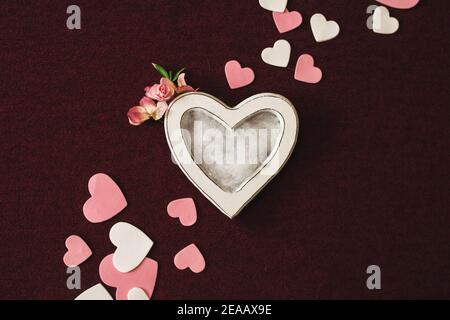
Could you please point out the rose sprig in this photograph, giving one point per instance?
(156, 100)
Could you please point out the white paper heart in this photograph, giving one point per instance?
(137, 294)
(279, 55)
(230, 185)
(132, 245)
(322, 29)
(97, 292)
(274, 5)
(383, 23)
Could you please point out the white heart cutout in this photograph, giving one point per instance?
(278, 55)
(232, 178)
(97, 292)
(137, 294)
(132, 245)
(323, 29)
(274, 5)
(383, 23)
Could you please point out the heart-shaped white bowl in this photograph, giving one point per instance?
(230, 185)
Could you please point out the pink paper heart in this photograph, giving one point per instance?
(106, 200)
(400, 4)
(287, 21)
(305, 70)
(184, 209)
(77, 251)
(143, 276)
(190, 257)
(237, 76)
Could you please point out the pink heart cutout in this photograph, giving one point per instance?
(305, 70)
(184, 209)
(77, 251)
(287, 21)
(106, 201)
(190, 257)
(400, 4)
(143, 276)
(237, 76)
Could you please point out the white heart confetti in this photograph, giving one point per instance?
(323, 29)
(273, 5)
(383, 23)
(279, 55)
(97, 292)
(137, 294)
(132, 246)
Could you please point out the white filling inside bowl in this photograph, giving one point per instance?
(230, 157)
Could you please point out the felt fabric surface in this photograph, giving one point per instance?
(367, 183)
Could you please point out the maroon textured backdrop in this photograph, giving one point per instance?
(367, 183)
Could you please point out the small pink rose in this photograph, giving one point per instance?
(163, 91)
(138, 115)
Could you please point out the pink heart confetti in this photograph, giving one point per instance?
(400, 4)
(77, 251)
(190, 257)
(305, 70)
(287, 20)
(237, 76)
(106, 201)
(143, 276)
(184, 209)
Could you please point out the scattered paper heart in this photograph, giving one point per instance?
(97, 292)
(106, 201)
(273, 5)
(132, 246)
(143, 276)
(190, 257)
(184, 209)
(77, 251)
(400, 4)
(383, 23)
(237, 76)
(279, 55)
(323, 30)
(287, 20)
(137, 294)
(305, 70)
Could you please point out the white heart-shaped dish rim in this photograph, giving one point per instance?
(231, 204)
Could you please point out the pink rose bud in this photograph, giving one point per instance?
(138, 115)
(146, 101)
(163, 91)
(181, 80)
(182, 85)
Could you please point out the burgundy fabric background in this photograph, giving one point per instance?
(367, 183)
